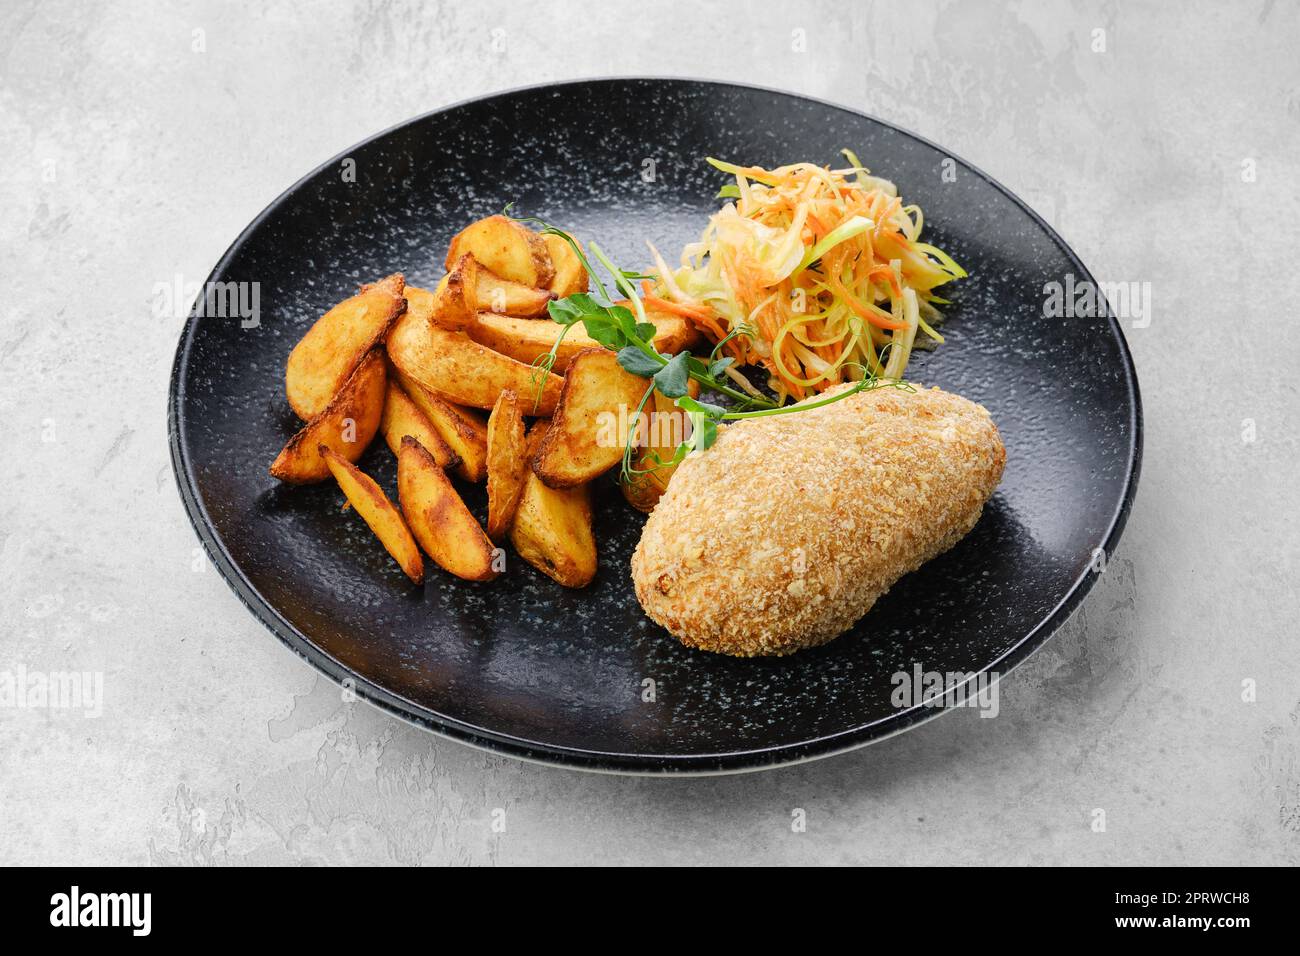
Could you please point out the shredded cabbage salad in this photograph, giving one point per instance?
(819, 275)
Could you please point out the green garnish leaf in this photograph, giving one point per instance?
(672, 379)
(638, 363)
(613, 326)
(625, 318)
(719, 367)
(705, 434)
(605, 330)
(566, 311)
(729, 191)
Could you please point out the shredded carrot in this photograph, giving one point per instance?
(816, 316)
(676, 308)
(871, 315)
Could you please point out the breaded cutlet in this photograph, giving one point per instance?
(790, 527)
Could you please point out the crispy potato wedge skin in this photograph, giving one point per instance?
(378, 512)
(462, 371)
(346, 425)
(663, 437)
(403, 417)
(507, 463)
(504, 297)
(586, 438)
(508, 248)
(420, 302)
(438, 518)
(454, 302)
(460, 429)
(525, 340)
(552, 532)
(324, 358)
(570, 274)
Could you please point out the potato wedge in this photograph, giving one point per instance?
(665, 430)
(346, 425)
(438, 518)
(454, 301)
(369, 501)
(461, 429)
(403, 417)
(591, 423)
(419, 302)
(504, 297)
(460, 370)
(552, 531)
(508, 248)
(324, 358)
(525, 340)
(570, 274)
(507, 463)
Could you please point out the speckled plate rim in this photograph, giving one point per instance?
(533, 751)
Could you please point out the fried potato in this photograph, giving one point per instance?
(507, 463)
(460, 370)
(460, 429)
(438, 518)
(420, 303)
(504, 297)
(665, 430)
(590, 427)
(453, 302)
(552, 527)
(570, 274)
(347, 425)
(508, 248)
(377, 511)
(403, 417)
(525, 340)
(324, 358)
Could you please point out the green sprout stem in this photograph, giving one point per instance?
(862, 385)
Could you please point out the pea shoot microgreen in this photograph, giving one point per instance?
(627, 332)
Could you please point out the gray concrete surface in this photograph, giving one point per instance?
(1171, 157)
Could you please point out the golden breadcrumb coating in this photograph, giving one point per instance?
(790, 527)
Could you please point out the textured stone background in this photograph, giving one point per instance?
(129, 158)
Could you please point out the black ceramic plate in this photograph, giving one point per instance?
(525, 667)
